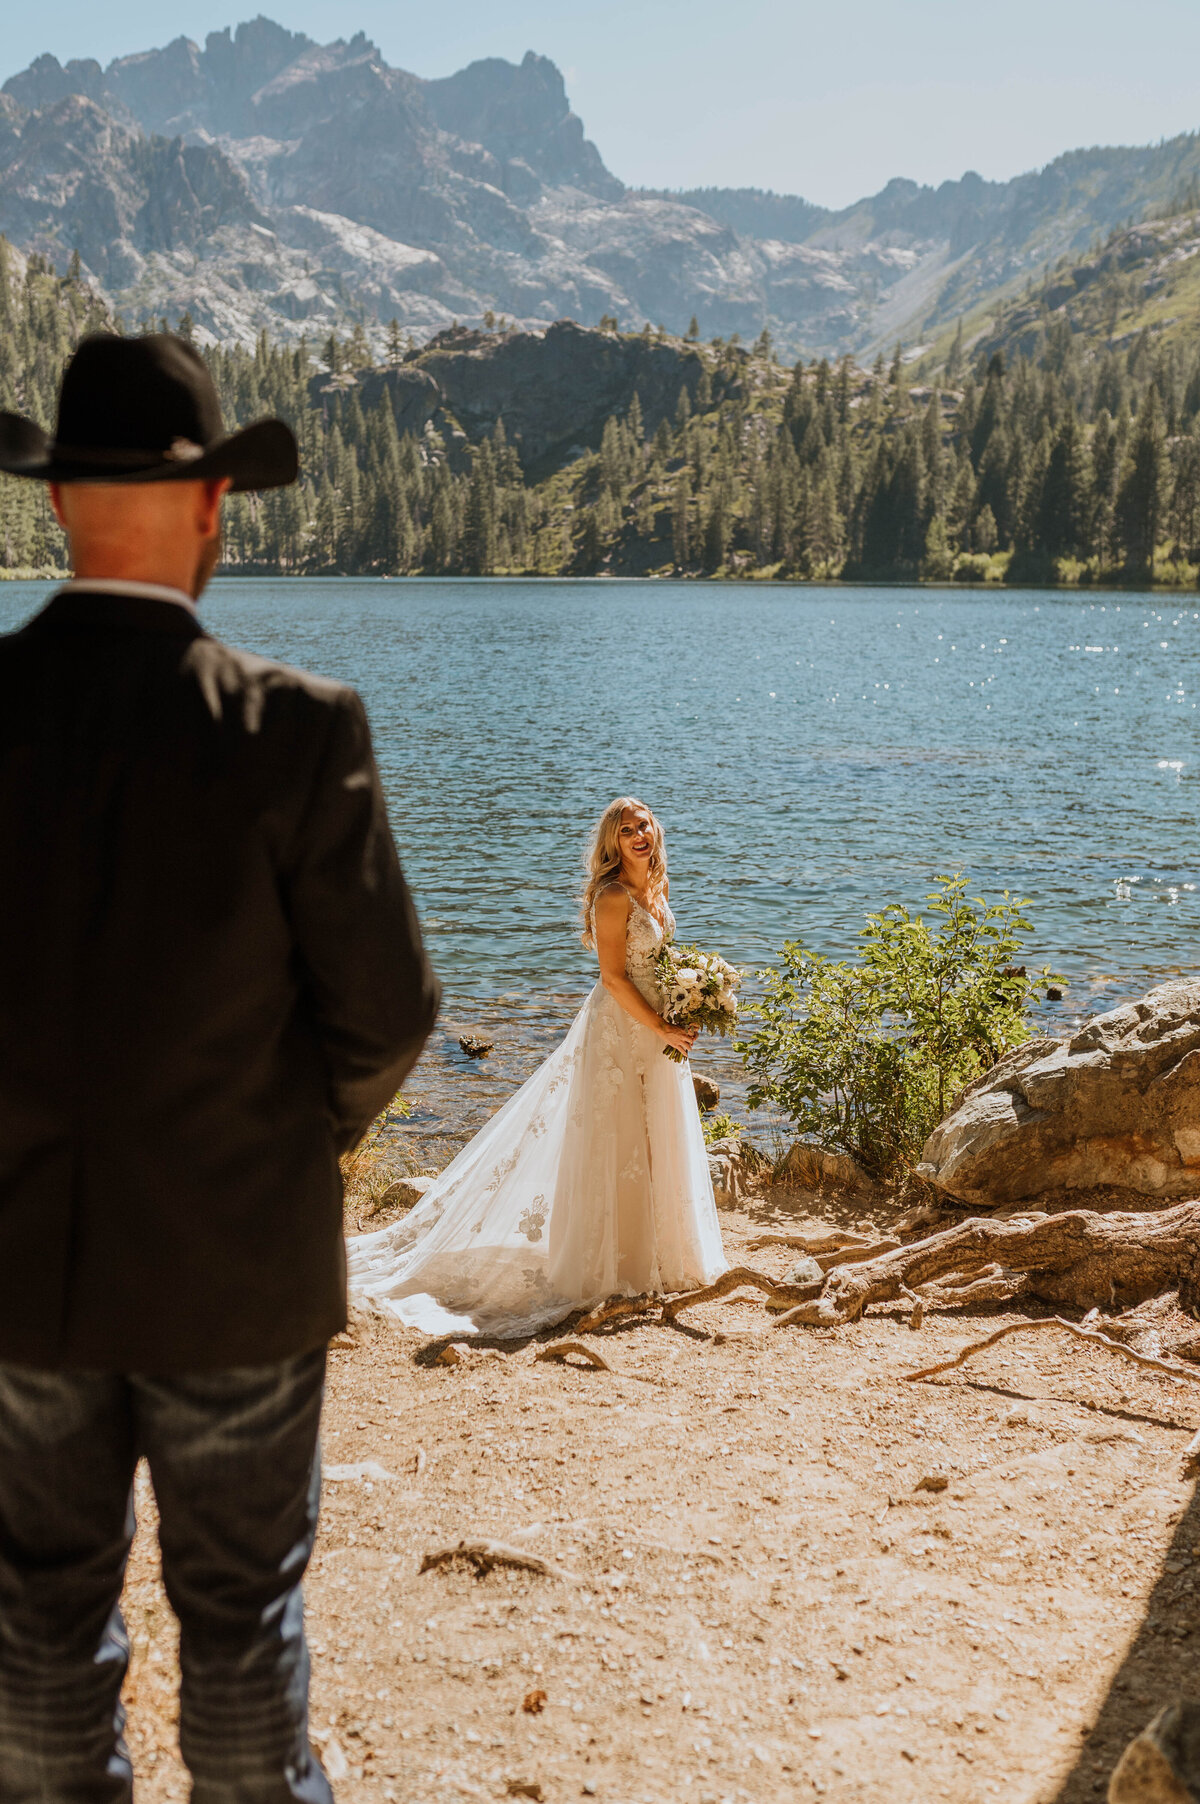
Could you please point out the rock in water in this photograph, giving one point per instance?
(708, 1094)
(1162, 1764)
(475, 1047)
(1118, 1105)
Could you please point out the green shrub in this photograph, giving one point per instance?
(865, 1057)
(720, 1127)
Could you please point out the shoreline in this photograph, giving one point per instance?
(756, 578)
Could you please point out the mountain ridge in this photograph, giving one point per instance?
(268, 181)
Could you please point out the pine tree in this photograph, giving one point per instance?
(1142, 495)
(954, 361)
(681, 524)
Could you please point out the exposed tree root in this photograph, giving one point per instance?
(857, 1255)
(1159, 1326)
(561, 1348)
(734, 1279)
(839, 1248)
(483, 1555)
(821, 1240)
(1056, 1321)
(1080, 1259)
(613, 1310)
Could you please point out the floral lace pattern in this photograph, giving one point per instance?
(534, 1220)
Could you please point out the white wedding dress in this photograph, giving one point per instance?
(591, 1181)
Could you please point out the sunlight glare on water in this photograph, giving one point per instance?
(814, 753)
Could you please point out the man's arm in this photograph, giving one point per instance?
(371, 987)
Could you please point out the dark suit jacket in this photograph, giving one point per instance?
(211, 980)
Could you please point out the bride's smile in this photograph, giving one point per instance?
(637, 836)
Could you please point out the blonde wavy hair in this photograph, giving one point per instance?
(602, 860)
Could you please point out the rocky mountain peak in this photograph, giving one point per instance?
(266, 180)
(520, 113)
(47, 81)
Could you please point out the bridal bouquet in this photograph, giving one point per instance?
(698, 989)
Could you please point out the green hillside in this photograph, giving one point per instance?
(1050, 450)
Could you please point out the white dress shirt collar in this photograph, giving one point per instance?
(115, 585)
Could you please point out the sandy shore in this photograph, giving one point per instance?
(761, 1604)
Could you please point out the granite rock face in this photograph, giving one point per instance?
(331, 188)
(1118, 1105)
(555, 389)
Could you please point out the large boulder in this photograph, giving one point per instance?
(1116, 1106)
(1162, 1764)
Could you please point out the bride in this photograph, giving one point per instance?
(592, 1180)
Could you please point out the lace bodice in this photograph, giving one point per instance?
(643, 937)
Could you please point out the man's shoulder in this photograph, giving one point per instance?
(232, 685)
(271, 701)
(267, 677)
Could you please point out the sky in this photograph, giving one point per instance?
(825, 100)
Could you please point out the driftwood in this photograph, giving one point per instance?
(484, 1555)
(1079, 1260)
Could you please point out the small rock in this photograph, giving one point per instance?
(708, 1094)
(333, 1760)
(932, 1481)
(365, 1468)
(733, 1167)
(456, 1354)
(1162, 1764)
(475, 1046)
(1053, 993)
(525, 1788)
(405, 1193)
(533, 1704)
(805, 1271)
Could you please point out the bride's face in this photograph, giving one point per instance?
(636, 837)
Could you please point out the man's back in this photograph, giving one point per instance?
(210, 980)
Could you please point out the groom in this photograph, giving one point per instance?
(211, 979)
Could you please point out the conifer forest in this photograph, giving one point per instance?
(1071, 458)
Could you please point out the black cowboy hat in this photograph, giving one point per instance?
(144, 410)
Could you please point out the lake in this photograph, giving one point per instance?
(813, 753)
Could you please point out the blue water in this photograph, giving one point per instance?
(813, 753)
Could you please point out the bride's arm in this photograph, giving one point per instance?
(612, 913)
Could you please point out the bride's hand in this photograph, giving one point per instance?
(682, 1039)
